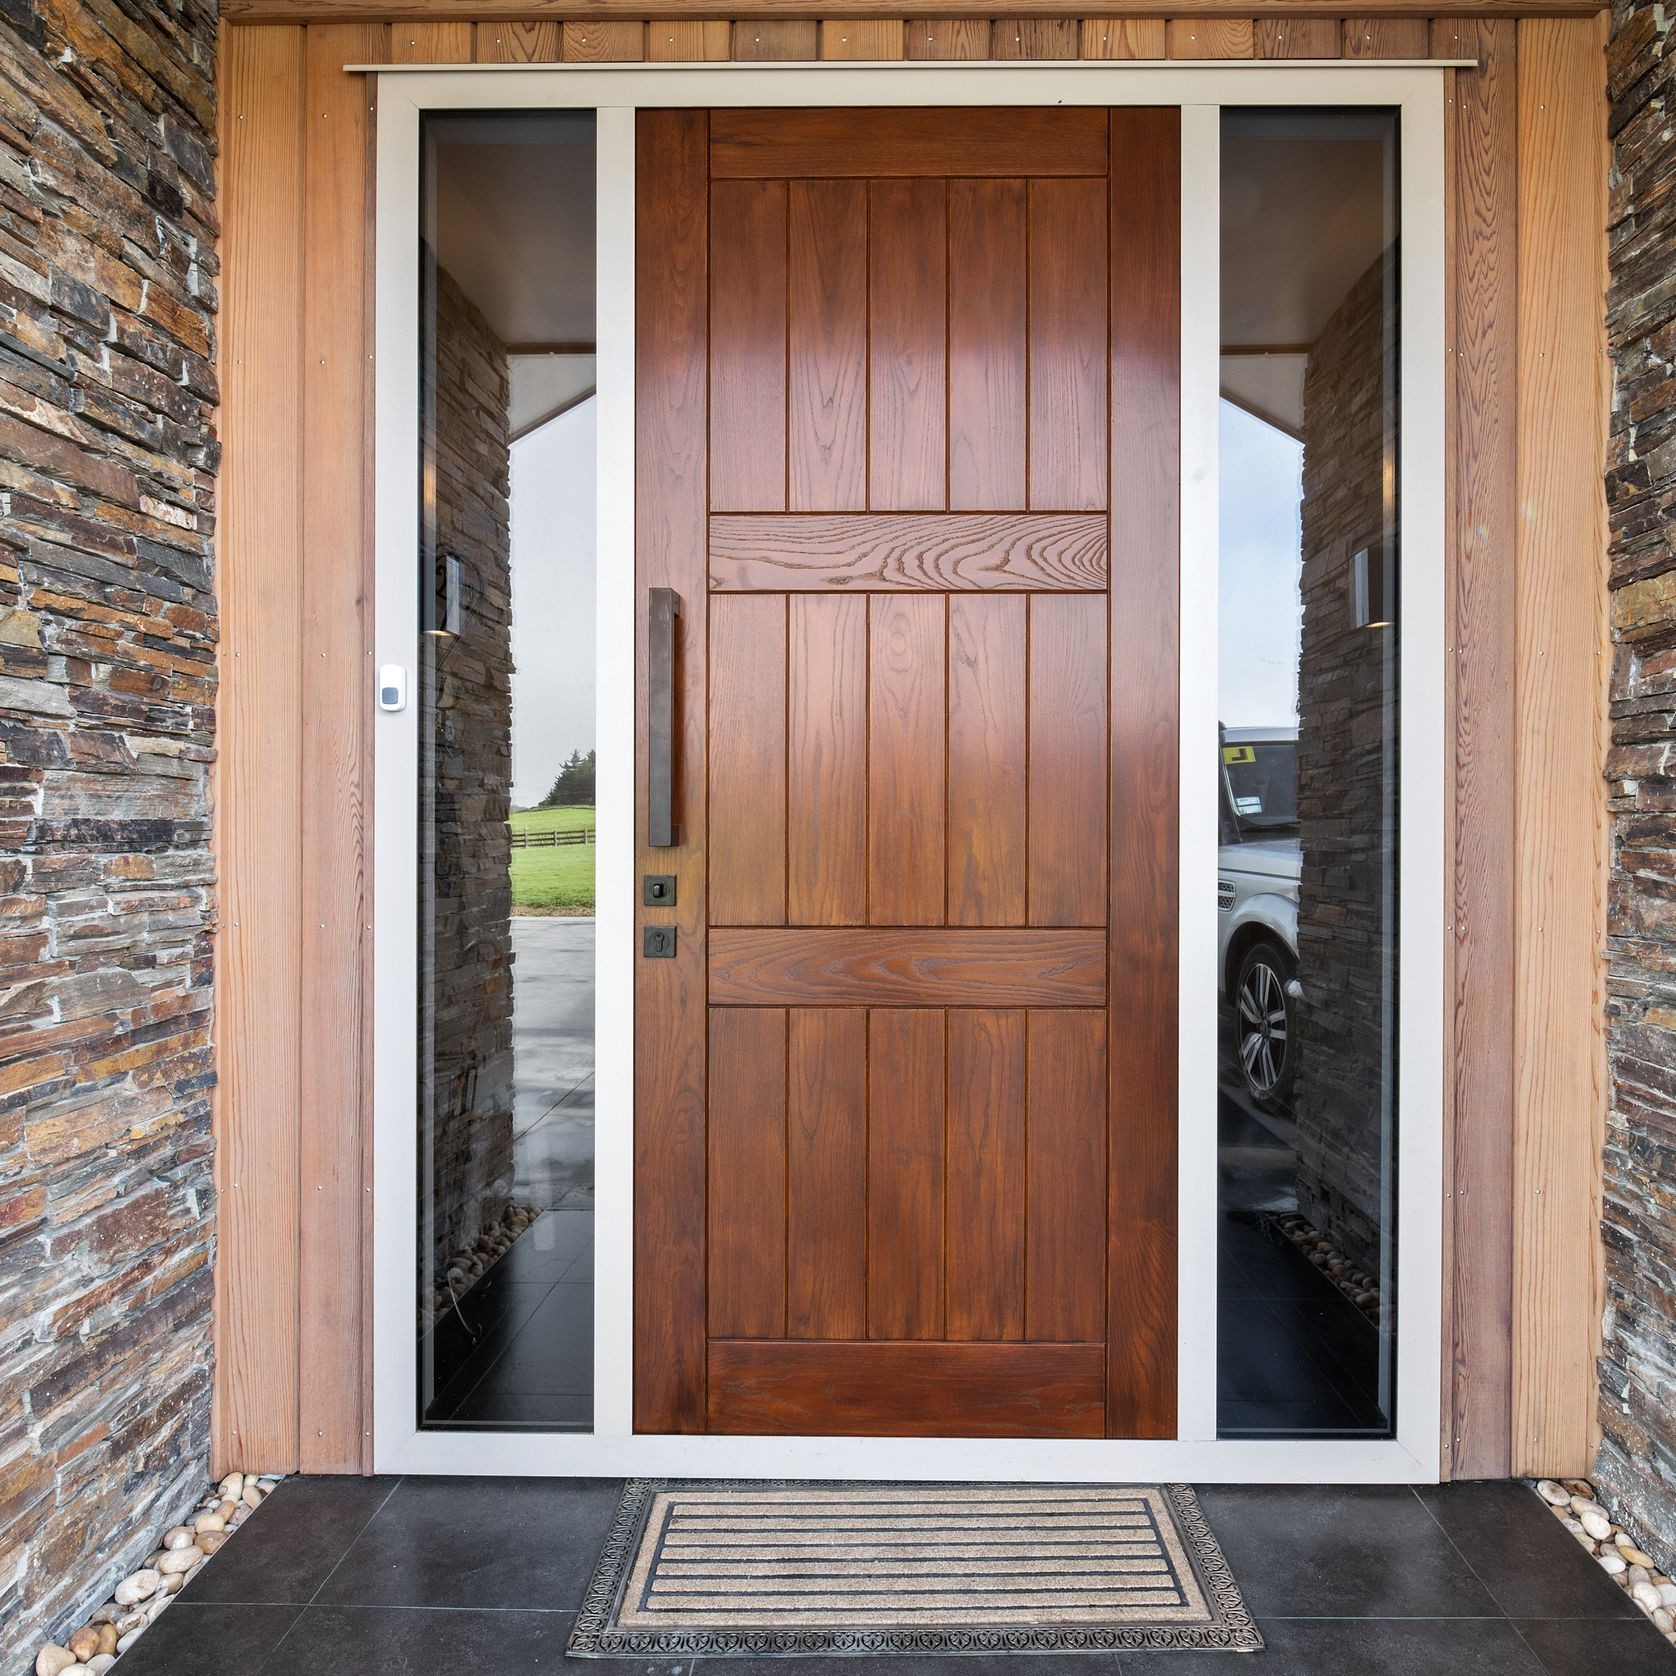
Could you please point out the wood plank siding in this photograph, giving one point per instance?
(1525, 1096)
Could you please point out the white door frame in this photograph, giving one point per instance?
(613, 1448)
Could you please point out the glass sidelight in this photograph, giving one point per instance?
(507, 760)
(1308, 695)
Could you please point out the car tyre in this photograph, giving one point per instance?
(1265, 1024)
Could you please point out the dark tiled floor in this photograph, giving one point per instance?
(433, 1577)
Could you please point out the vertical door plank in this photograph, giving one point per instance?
(986, 1175)
(1068, 372)
(748, 759)
(430, 43)
(947, 38)
(748, 346)
(987, 317)
(1145, 673)
(779, 40)
(827, 289)
(334, 558)
(1210, 37)
(604, 42)
(1067, 1171)
(905, 707)
(826, 1173)
(1485, 206)
(1123, 37)
(688, 40)
(826, 761)
(1068, 767)
(862, 40)
(256, 1112)
(747, 1174)
(1564, 391)
(907, 312)
(905, 1125)
(1387, 37)
(506, 42)
(1298, 37)
(671, 294)
(987, 758)
(1043, 37)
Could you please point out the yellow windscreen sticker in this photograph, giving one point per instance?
(1238, 753)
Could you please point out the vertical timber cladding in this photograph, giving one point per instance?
(877, 1112)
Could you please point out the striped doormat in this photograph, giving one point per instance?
(782, 1569)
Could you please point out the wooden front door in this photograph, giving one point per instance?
(907, 444)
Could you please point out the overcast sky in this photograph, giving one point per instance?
(1260, 616)
(552, 600)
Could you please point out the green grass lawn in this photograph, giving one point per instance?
(559, 880)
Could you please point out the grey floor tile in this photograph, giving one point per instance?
(287, 1548)
(1361, 1647)
(527, 1544)
(1522, 1554)
(1577, 1647)
(1322, 1551)
(957, 1664)
(414, 1642)
(233, 1640)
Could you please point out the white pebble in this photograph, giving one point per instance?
(1645, 1596)
(141, 1586)
(1553, 1494)
(1595, 1523)
(100, 1663)
(178, 1560)
(52, 1659)
(1611, 1564)
(129, 1639)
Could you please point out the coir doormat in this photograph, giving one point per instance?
(788, 1569)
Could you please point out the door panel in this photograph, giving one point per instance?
(897, 1072)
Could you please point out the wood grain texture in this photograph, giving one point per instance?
(1046, 37)
(988, 758)
(826, 767)
(604, 41)
(1068, 760)
(1210, 37)
(431, 43)
(1068, 345)
(987, 344)
(748, 345)
(906, 699)
(254, 1411)
(747, 711)
(934, 967)
(335, 863)
(1387, 37)
(746, 1188)
(1559, 1023)
(764, 39)
(518, 42)
(826, 1173)
(1484, 200)
(1115, 37)
(891, 553)
(862, 40)
(850, 1389)
(1297, 37)
(1067, 1174)
(1145, 673)
(687, 40)
(906, 1060)
(947, 38)
(985, 1238)
(671, 474)
(907, 345)
(885, 143)
(826, 422)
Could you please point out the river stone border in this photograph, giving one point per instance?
(138, 1600)
(1572, 1501)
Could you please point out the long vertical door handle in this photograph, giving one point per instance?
(663, 606)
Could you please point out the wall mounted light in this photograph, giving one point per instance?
(445, 611)
(1372, 588)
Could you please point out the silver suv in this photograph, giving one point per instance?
(1257, 904)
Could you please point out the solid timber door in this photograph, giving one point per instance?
(907, 437)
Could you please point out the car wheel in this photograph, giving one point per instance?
(1265, 1033)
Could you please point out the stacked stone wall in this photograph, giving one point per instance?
(469, 978)
(107, 706)
(1636, 1469)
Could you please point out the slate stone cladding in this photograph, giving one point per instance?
(1636, 1467)
(107, 731)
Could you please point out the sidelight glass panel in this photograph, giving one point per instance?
(1308, 699)
(505, 690)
